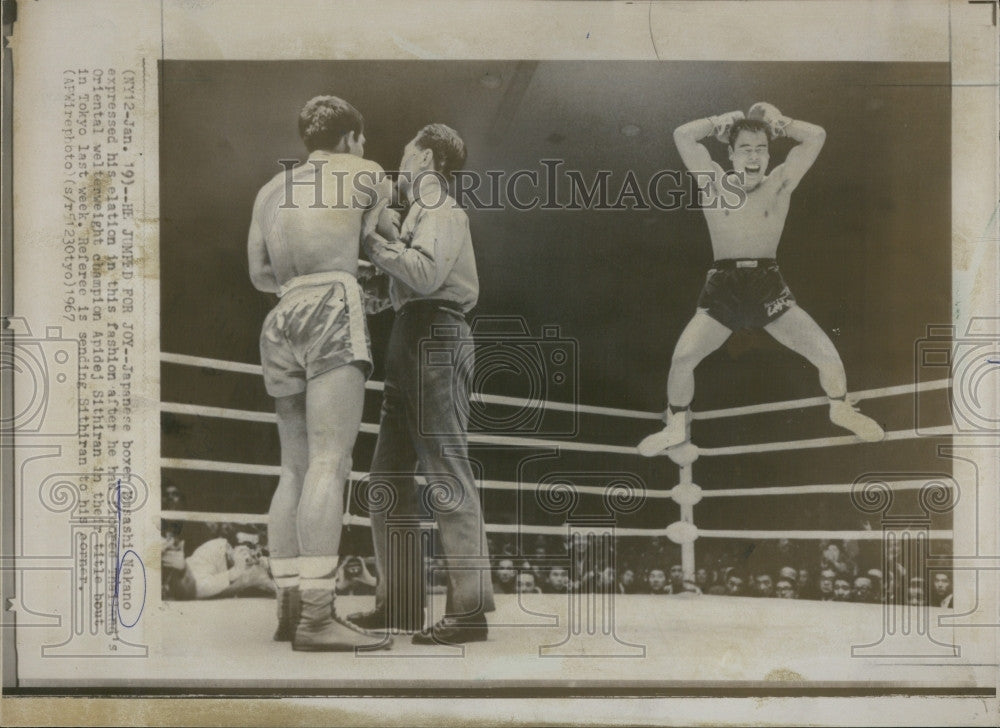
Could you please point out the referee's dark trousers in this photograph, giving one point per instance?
(422, 431)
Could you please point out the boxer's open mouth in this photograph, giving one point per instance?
(753, 170)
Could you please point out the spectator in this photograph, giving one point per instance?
(895, 574)
(735, 586)
(790, 573)
(172, 530)
(826, 579)
(785, 589)
(557, 581)
(841, 590)
(526, 583)
(172, 560)
(763, 586)
(171, 499)
(864, 590)
(657, 582)
(942, 595)
(354, 578)
(576, 548)
(628, 584)
(676, 579)
(703, 579)
(606, 581)
(195, 533)
(837, 561)
(804, 586)
(876, 576)
(916, 595)
(504, 577)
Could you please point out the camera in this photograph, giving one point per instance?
(45, 372)
(972, 362)
(352, 567)
(520, 384)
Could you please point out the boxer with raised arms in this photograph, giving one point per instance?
(744, 288)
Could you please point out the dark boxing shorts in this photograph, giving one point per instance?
(318, 325)
(745, 293)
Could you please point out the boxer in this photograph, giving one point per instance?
(303, 244)
(744, 288)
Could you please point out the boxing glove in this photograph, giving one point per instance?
(723, 123)
(770, 115)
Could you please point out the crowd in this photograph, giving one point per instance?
(839, 571)
(205, 560)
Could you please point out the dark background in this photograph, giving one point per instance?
(866, 250)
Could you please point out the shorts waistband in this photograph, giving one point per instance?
(318, 279)
(733, 263)
(420, 305)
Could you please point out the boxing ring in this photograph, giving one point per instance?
(625, 621)
(686, 493)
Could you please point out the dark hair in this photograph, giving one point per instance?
(446, 146)
(324, 121)
(751, 125)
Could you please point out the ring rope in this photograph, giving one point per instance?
(372, 429)
(197, 410)
(243, 368)
(820, 442)
(355, 476)
(358, 476)
(812, 535)
(220, 466)
(352, 520)
(213, 517)
(812, 489)
(863, 394)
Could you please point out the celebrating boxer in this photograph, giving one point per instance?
(744, 288)
(315, 356)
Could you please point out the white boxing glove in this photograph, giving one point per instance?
(723, 123)
(770, 115)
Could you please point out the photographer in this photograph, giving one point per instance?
(217, 568)
(354, 578)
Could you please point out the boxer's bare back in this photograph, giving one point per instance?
(309, 219)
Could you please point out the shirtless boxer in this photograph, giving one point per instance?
(744, 288)
(303, 245)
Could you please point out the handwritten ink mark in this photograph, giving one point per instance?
(120, 560)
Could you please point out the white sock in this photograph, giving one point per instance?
(317, 572)
(285, 571)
